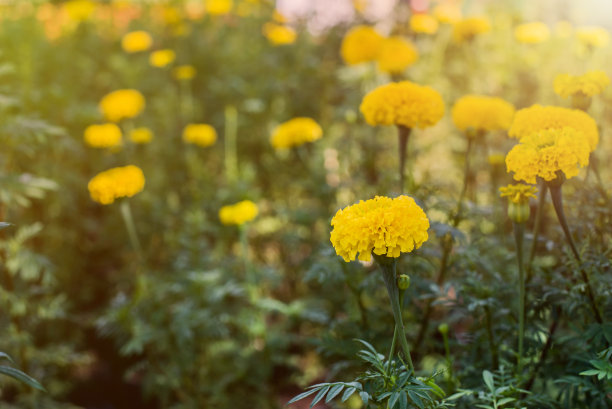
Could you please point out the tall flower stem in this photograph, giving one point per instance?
(390, 277)
(230, 143)
(395, 331)
(537, 227)
(466, 178)
(403, 137)
(491, 336)
(557, 199)
(519, 233)
(126, 213)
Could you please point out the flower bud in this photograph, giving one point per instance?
(518, 212)
(403, 282)
(443, 328)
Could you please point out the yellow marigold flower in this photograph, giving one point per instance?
(448, 13)
(103, 136)
(360, 44)
(295, 132)
(200, 134)
(381, 225)
(238, 213)
(161, 58)
(279, 17)
(219, 7)
(596, 37)
(278, 34)
(120, 104)
(423, 23)
(538, 118)
(116, 183)
(545, 152)
(396, 54)
(136, 41)
(482, 113)
(141, 135)
(184, 72)
(403, 103)
(519, 193)
(467, 29)
(79, 10)
(532, 33)
(589, 84)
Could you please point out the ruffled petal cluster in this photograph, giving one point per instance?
(544, 153)
(200, 134)
(103, 136)
(120, 104)
(116, 183)
(467, 29)
(518, 193)
(360, 44)
(136, 41)
(294, 132)
(382, 226)
(532, 33)
(396, 54)
(423, 24)
(238, 213)
(589, 84)
(537, 118)
(482, 113)
(403, 103)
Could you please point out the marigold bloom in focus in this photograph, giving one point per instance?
(589, 84)
(467, 29)
(161, 58)
(596, 37)
(200, 134)
(543, 153)
(219, 7)
(184, 72)
(103, 136)
(360, 44)
(238, 213)
(396, 54)
(79, 10)
(538, 117)
(136, 41)
(278, 34)
(141, 135)
(482, 113)
(403, 103)
(116, 183)
(532, 33)
(518, 193)
(381, 225)
(295, 132)
(423, 23)
(120, 104)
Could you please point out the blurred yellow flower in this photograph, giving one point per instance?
(545, 152)
(141, 135)
(496, 159)
(238, 213)
(103, 136)
(120, 104)
(467, 29)
(423, 23)
(184, 72)
(564, 29)
(482, 113)
(589, 84)
(396, 54)
(278, 34)
(79, 10)
(200, 134)
(518, 193)
(403, 103)
(115, 183)
(360, 44)
(532, 33)
(279, 17)
(448, 12)
(295, 132)
(161, 58)
(596, 37)
(219, 7)
(382, 226)
(136, 41)
(537, 118)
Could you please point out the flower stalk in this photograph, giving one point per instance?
(403, 137)
(126, 214)
(230, 143)
(537, 226)
(519, 233)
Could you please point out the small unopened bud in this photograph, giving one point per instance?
(403, 282)
(518, 212)
(443, 328)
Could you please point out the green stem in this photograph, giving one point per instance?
(536, 228)
(403, 136)
(231, 156)
(449, 361)
(519, 233)
(466, 177)
(244, 247)
(126, 213)
(492, 345)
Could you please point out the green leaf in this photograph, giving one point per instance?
(365, 397)
(333, 392)
(403, 401)
(320, 395)
(6, 356)
(488, 379)
(590, 372)
(504, 401)
(393, 400)
(415, 398)
(348, 393)
(303, 395)
(4, 225)
(20, 376)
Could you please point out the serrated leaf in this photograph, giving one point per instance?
(22, 377)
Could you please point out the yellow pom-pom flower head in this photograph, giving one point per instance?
(103, 136)
(295, 132)
(532, 33)
(482, 113)
(467, 29)
(382, 226)
(396, 54)
(122, 104)
(239, 213)
(200, 134)
(279, 34)
(593, 37)
(136, 41)
(162, 58)
(115, 183)
(360, 44)
(403, 103)
(141, 135)
(423, 24)
(589, 84)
